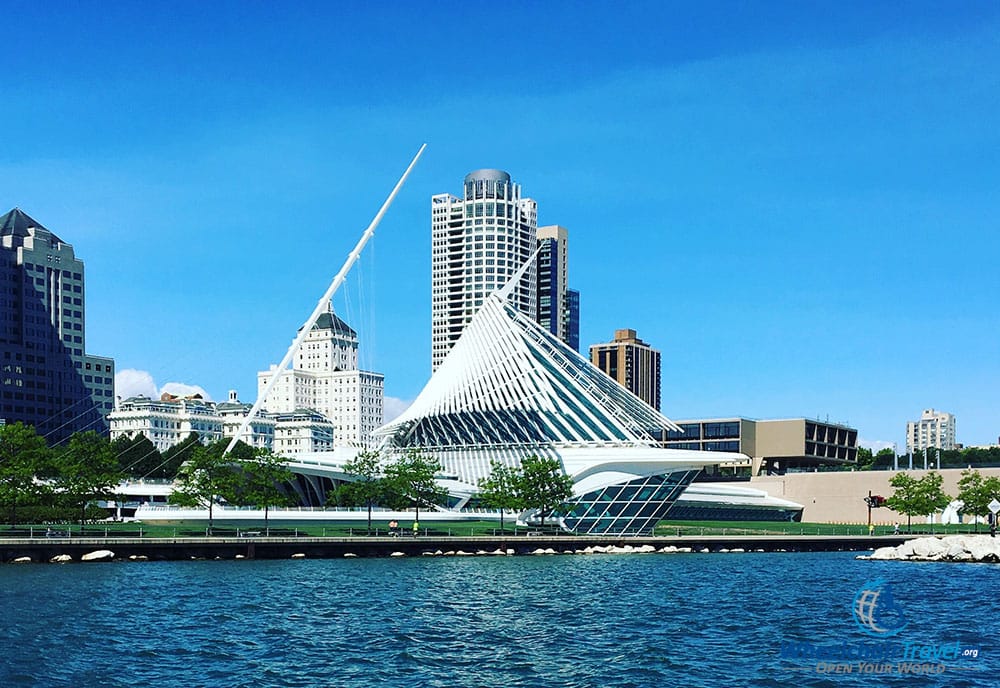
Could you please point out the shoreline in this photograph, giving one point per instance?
(43, 550)
(981, 548)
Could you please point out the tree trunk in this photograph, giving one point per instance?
(210, 500)
(267, 531)
(369, 517)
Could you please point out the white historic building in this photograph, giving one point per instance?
(325, 378)
(170, 420)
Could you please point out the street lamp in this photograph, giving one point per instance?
(873, 502)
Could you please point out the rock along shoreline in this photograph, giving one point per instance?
(65, 550)
(959, 548)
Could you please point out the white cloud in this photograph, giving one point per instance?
(875, 445)
(182, 389)
(394, 408)
(131, 383)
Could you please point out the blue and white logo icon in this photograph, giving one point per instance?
(876, 612)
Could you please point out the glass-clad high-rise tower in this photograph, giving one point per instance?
(478, 241)
(46, 377)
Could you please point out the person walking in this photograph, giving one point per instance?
(416, 529)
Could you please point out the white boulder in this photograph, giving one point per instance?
(98, 555)
(958, 553)
(885, 553)
(928, 548)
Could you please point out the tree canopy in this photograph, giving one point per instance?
(23, 455)
(368, 483)
(410, 479)
(543, 485)
(175, 456)
(86, 469)
(976, 493)
(259, 479)
(207, 475)
(138, 456)
(501, 489)
(914, 497)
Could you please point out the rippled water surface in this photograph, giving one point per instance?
(630, 620)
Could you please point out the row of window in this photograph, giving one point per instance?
(42, 268)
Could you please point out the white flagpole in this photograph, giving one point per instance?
(323, 301)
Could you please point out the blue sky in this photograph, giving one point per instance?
(797, 203)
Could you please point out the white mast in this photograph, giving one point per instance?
(324, 300)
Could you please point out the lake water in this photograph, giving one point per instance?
(603, 620)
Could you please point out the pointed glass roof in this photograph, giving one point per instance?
(509, 381)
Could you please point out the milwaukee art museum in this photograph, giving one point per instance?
(508, 389)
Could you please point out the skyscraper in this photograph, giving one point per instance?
(46, 378)
(553, 251)
(573, 330)
(633, 363)
(478, 242)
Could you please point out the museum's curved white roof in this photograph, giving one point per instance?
(508, 380)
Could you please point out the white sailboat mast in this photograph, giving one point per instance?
(323, 301)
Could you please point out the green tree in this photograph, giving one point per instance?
(543, 485)
(137, 456)
(175, 456)
(259, 480)
(500, 489)
(86, 469)
(23, 455)
(976, 492)
(411, 480)
(883, 458)
(914, 497)
(865, 458)
(206, 475)
(368, 484)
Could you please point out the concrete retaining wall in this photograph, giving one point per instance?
(838, 497)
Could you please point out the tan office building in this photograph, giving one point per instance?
(633, 363)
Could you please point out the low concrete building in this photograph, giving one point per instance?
(771, 446)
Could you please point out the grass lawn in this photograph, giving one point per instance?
(277, 529)
(667, 528)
